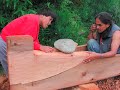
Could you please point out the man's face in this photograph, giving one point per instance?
(100, 26)
(46, 21)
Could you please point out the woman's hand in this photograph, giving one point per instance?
(92, 34)
(93, 27)
(91, 56)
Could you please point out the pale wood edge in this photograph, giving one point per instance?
(81, 48)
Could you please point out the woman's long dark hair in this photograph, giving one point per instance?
(105, 18)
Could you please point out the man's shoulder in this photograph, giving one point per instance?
(29, 16)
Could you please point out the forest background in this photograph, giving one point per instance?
(74, 16)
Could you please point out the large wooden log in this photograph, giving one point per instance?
(37, 70)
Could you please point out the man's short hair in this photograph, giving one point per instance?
(105, 17)
(49, 13)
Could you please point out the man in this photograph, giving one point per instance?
(26, 25)
(106, 43)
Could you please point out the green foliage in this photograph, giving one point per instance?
(90, 8)
(74, 16)
(11, 9)
(68, 24)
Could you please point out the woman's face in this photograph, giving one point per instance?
(100, 26)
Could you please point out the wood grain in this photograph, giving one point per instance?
(36, 70)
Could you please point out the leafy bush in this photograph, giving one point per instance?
(74, 16)
(68, 24)
(11, 9)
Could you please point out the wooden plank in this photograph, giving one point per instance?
(2, 80)
(4, 84)
(51, 71)
(81, 74)
(90, 86)
(81, 48)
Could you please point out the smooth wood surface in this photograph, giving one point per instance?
(36, 70)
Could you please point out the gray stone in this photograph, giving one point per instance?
(65, 45)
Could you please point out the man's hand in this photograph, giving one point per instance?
(47, 49)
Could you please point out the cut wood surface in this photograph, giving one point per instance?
(90, 86)
(2, 80)
(36, 70)
(4, 83)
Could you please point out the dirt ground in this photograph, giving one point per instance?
(4, 83)
(107, 84)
